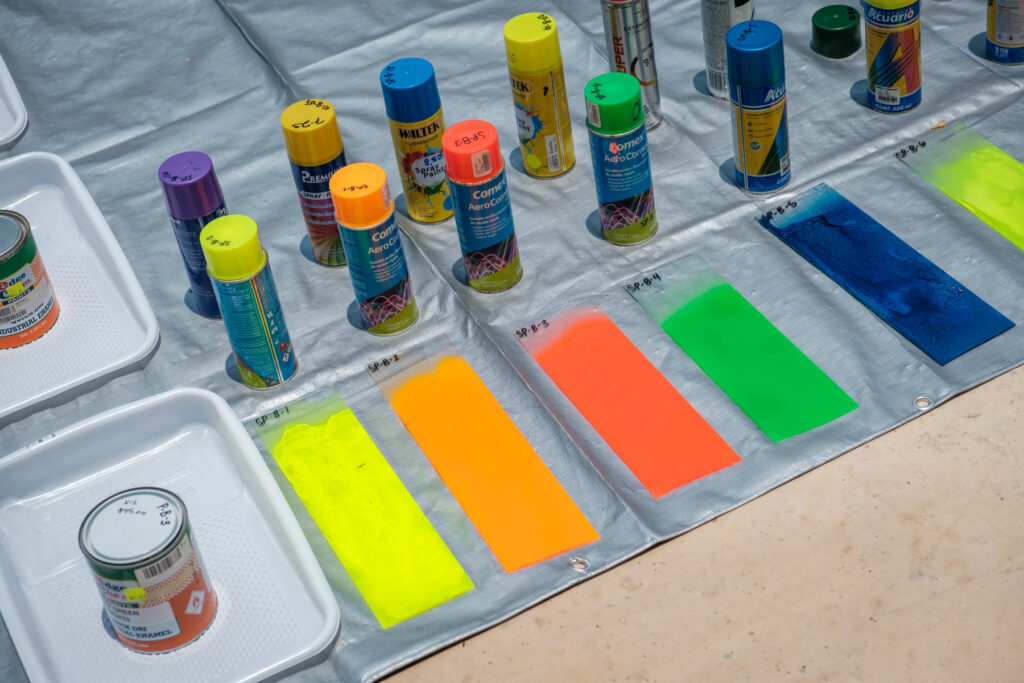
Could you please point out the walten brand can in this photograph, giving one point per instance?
(316, 151)
(139, 545)
(717, 17)
(630, 44)
(193, 198)
(538, 93)
(240, 272)
(417, 123)
(622, 163)
(892, 41)
(483, 212)
(28, 306)
(373, 244)
(1005, 35)
(757, 90)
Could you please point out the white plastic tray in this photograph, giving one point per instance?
(13, 117)
(276, 608)
(105, 323)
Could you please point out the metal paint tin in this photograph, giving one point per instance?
(1005, 35)
(28, 306)
(139, 545)
(627, 35)
(892, 42)
(717, 17)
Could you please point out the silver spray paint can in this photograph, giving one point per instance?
(627, 33)
(718, 16)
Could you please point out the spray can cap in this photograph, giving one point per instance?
(311, 132)
(410, 90)
(531, 44)
(190, 185)
(613, 103)
(471, 151)
(754, 54)
(360, 194)
(231, 245)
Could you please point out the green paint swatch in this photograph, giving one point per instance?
(764, 373)
(976, 174)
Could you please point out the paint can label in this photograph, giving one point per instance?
(892, 42)
(380, 276)
(186, 232)
(627, 27)
(421, 165)
(761, 137)
(312, 183)
(483, 215)
(625, 193)
(1005, 35)
(542, 119)
(256, 329)
(28, 306)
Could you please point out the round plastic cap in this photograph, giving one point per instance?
(410, 90)
(311, 133)
(190, 185)
(471, 151)
(613, 103)
(231, 245)
(835, 31)
(531, 44)
(754, 54)
(360, 194)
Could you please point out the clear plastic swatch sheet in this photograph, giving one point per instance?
(421, 435)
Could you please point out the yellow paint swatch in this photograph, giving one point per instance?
(393, 554)
(507, 491)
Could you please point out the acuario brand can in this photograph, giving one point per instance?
(28, 306)
(373, 244)
(757, 90)
(538, 94)
(1005, 35)
(483, 212)
(630, 45)
(892, 41)
(717, 17)
(240, 272)
(145, 563)
(621, 159)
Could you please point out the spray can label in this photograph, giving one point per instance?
(380, 275)
(627, 27)
(625, 193)
(256, 329)
(762, 137)
(483, 215)
(1005, 34)
(186, 231)
(421, 165)
(542, 118)
(312, 182)
(892, 40)
(717, 17)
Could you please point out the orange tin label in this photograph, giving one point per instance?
(28, 306)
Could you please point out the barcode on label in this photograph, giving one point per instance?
(718, 81)
(784, 164)
(163, 565)
(887, 95)
(481, 163)
(594, 114)
(554, 159)
(10, 313)
(385, 194)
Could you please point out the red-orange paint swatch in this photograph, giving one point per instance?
(641, 416)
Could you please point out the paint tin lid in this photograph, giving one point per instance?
(754, 54)
(471, 151)
(410, 90)
(531, 44)
(835, 31)
(14, 232)
(231, 245)
(190, 185)
(132, 527)
(360, 194)
(613, 103)
(311, 133)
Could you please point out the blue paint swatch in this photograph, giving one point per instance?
(917, 298)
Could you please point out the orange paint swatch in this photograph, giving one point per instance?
(649, 425)
(509, 494)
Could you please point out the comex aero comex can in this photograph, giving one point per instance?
(630, 45)
(145, 563)
(28, 306)
(717, 17)
(892, 42)
(757, 90)
(483, 212)
(240, 272)
(1005, 35)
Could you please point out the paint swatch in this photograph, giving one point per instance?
(521, 511)
(764, 373)
(976, 174)
(394, 556)
(917, 298)
(639, 414)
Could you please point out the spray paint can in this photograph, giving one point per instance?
(139, 545)
(538, 93)
(193, 198)
(717, 17)
(630, 44)
(240, 272)
(622, 163)
(1005, 36)
(483, 212)
(757, 90)
(417, 122)
(373, 244)
(315, 151)
(892, 41)
(28, 306)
